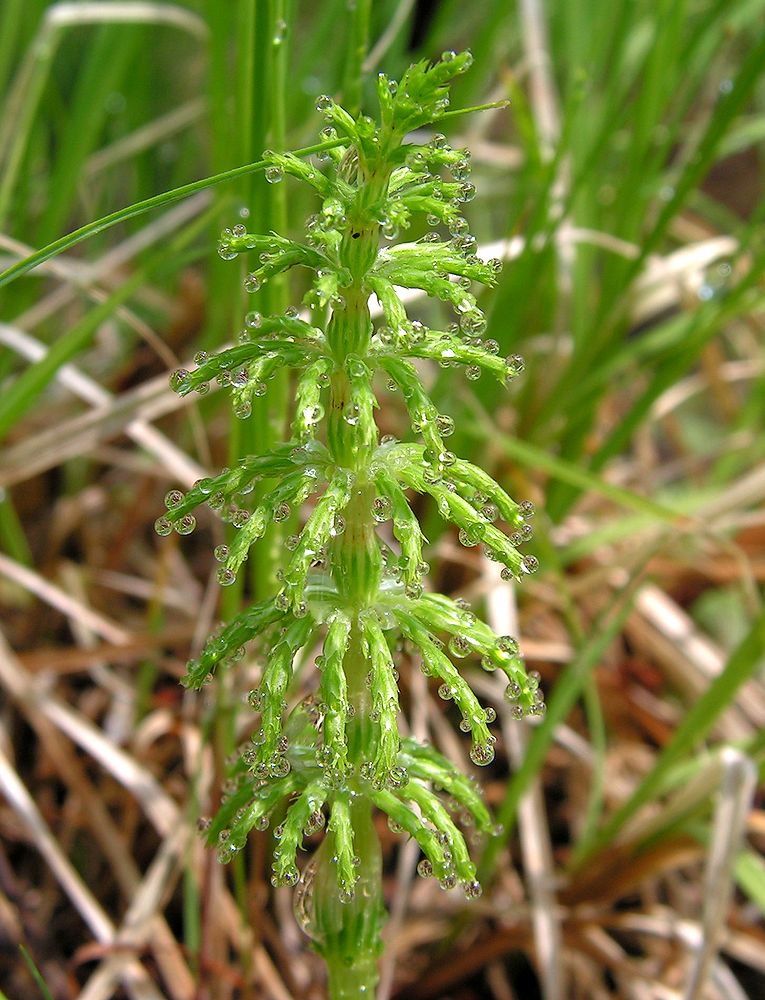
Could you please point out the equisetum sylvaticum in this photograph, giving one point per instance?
(352, 580)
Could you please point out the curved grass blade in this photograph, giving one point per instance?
(139, 208)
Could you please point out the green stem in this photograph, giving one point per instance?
(348, 934)
(348, 982)
(357, 52)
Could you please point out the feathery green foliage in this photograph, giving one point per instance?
(342, 585)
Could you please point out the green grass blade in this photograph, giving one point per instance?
(728, 109)
(750, 876)
(139, 208)
(12, 537)
(357, 52)
(35, 973)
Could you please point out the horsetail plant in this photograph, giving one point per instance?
(338, 755)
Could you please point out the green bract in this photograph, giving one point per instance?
(342, 587)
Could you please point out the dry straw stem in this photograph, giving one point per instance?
(56, 725)
(133, 976)
(533, 828)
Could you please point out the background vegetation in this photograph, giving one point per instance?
(625, 181)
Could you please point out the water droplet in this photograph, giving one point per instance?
(515, 365)
(351, 414)
(482, 754)
(324, 103)
(225, 576)
(472, 889)
(163, 526)
(473, 322)
(382, 508)
(461, 168)
(459, 646)
(180, 381)
(513, 691)
(445, 692)
(240, 517)
(424, 868)
(526, 508)
(280, 767)
(255, 699)
(507, 644)
(314, 823)
(253, 319)
(186, 524)
(173, 498)
(467, 538)
(282, 512)
(445, 425)
(274, 174)
(338, 525)
(288, 877)
(530, 564)
(398, 777)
